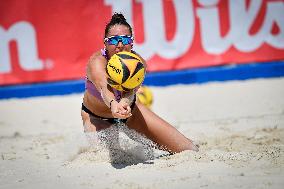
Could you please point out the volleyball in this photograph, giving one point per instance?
(125, 71)
(145, 96)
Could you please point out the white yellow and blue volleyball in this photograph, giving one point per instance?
(125, 71)
(145, 96)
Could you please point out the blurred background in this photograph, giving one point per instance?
(45, 45)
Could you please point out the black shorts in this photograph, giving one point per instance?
(110, 120)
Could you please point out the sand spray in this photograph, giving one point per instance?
(121, 145)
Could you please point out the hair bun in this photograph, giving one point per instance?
(118, 18)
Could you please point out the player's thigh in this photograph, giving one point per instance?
(144, 120)
(92, 124)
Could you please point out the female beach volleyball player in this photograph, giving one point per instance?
(102, 105)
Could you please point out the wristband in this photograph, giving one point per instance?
(110, 103)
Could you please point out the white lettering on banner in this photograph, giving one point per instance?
(25, 36)
(241, 20)
(275, 14)
(124, 7)
(154, 24)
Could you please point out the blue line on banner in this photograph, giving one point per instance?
(217, 73)
(42, 89)
(190, 76)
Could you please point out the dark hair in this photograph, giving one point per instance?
(117, 18)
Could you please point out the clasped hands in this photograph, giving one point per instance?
(121, 109)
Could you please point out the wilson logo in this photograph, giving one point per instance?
(24, 35)
(240, 17)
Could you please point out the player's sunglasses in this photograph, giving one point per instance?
(114, 40)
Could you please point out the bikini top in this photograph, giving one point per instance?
(91, 88)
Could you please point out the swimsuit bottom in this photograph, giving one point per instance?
(110, 120)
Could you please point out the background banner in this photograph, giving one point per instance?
(43, 41)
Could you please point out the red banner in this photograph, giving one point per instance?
(43, 41)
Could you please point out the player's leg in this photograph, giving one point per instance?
(92, 124)
(98, 134)
(158, 130)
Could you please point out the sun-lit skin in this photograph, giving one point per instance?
(96, 73)
(139, 117)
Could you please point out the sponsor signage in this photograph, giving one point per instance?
(42, 41)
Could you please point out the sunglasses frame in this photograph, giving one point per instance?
(106, 40)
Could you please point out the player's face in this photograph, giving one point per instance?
(124, 43)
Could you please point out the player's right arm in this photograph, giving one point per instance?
(96, 73)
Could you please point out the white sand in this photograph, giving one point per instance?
(239, 125)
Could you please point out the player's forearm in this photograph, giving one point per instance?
(107, 96)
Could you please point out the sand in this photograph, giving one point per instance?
(239, 126)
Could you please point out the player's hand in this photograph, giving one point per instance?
(120, 110)
(124, 102)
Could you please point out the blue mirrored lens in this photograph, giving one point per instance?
(113, 41)
(126, 40)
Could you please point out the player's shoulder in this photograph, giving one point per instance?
(96, 59)
(96, 56)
